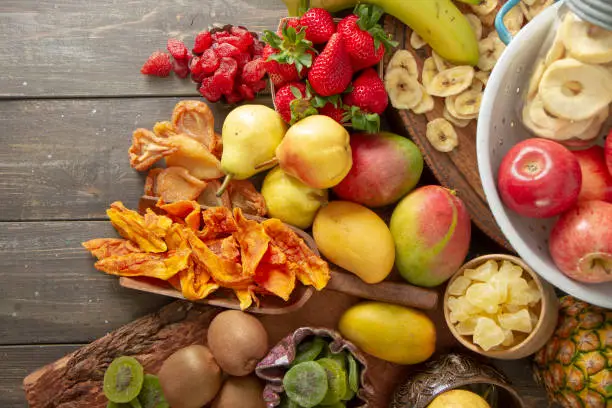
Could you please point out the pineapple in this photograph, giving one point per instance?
(575, 365)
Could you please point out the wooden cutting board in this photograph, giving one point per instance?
(457, 170)
(75, 381)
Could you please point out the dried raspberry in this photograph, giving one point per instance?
(204, 66)
(177, 49)
(242, 59)
(246, 92)
(203, 41)
(253, 71)
(257, 49)
(223, 78)
(226, 50)
(259, 85)
(233, 97)
(220, 34)
(209, 91)
(180, 68)
(158, 64)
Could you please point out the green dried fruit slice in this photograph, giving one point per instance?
(309, 350)
(306, 384)
(132, 404)
(151, 395)
(123, 380)
(336, 405)
(336, 380)
(349, 394)
(288, 403)
(353, 373)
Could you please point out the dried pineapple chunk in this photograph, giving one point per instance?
(508, 338)
(519, 321)
(483, 273)
(467, 327)
(459, 286)
(500, 283)
(483, 296)
(461, 309)
(518, 292)
(506, 308)
(488, 334)
(510, 270)
(534, 293)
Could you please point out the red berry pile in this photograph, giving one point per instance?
(320, 68)
(225, 62)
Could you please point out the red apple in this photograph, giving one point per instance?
(596, 181)
(608, 152)
(580, 242)
(539, 178)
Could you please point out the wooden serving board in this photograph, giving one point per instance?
(457, 170)
(75, 381)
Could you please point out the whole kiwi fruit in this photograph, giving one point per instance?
(243, 392)
(190, 378)
(238, 341)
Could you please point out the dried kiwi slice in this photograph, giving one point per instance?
(132, 404)
(348, 395)
(306, 383)
(288, 403)
(309, 350)
(353, 373)
(151, 395)
(336, 405)
(336, 380)
(123, 379)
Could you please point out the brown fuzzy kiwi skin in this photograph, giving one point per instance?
(243, 392)
(238, 341)
(190, 378)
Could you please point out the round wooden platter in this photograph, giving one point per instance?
(457, 170)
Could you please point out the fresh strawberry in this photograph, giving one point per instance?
(177, 49)
(337, 113)
(285, 95)
(203, 41)
(287, 56)
(253, 71)
(331, 71)
(209, 91)
(319, 25)
(158, 64)
(223, 78)
(364, 38)
(204, 65)
(368, 93)
(290, 22)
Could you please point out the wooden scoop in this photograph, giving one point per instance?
(341, 281)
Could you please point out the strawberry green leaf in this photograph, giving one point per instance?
(360, 120)
(300, 109)
(296, 92)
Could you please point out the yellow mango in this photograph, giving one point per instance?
(356, 239)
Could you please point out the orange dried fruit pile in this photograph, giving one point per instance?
(199, 251)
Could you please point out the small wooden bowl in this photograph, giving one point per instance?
(541, 333)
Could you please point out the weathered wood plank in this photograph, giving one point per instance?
(18, 361)
(51, 292)
(71, 48)
(67, 159)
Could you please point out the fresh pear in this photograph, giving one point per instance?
(290, 200)
(316, 151)
(251, 134)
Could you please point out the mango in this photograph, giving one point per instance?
(356, 239)
(392, 333)
(431, 229)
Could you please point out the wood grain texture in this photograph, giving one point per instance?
(68, 159)
(96, 48)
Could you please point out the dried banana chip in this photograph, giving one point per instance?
(451, 81)
(404, 91)
(416, 41)
(490, 49)
(442, 135)
(461, 123)
(405, 60)
(425, 105)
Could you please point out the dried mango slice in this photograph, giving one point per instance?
(309, 268)
(164, 129)
(195, 282)
(160, 266)
(147, 232)
(274, 275)
(253, 241)
(243, 195)
(225, 248)
(244, 297)
(147, 148)
(196, 120)
(175, 282)
(218, 223)
(176, 184)
(105, 247)
(189, 211)
(150, 187)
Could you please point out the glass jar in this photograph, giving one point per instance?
(569, 93)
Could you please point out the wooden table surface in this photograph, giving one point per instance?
(71, 95)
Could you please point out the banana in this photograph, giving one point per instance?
(574, 90)
(485, 7)
(450, 103)
(451, 81)
(416, 41)
(557, 49)
(439, 23)
(490, 48)
(483, 76)
(441, 64)
(476, 24)
(426, 103)
(585, 41)
(468, 103)
(514, 20)
(461, 123)
(536, 77)
(405, 60)
(442, 135)
(404, 91)
(429, 72)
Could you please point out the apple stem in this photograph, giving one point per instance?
(272, 162)
(223, 187)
